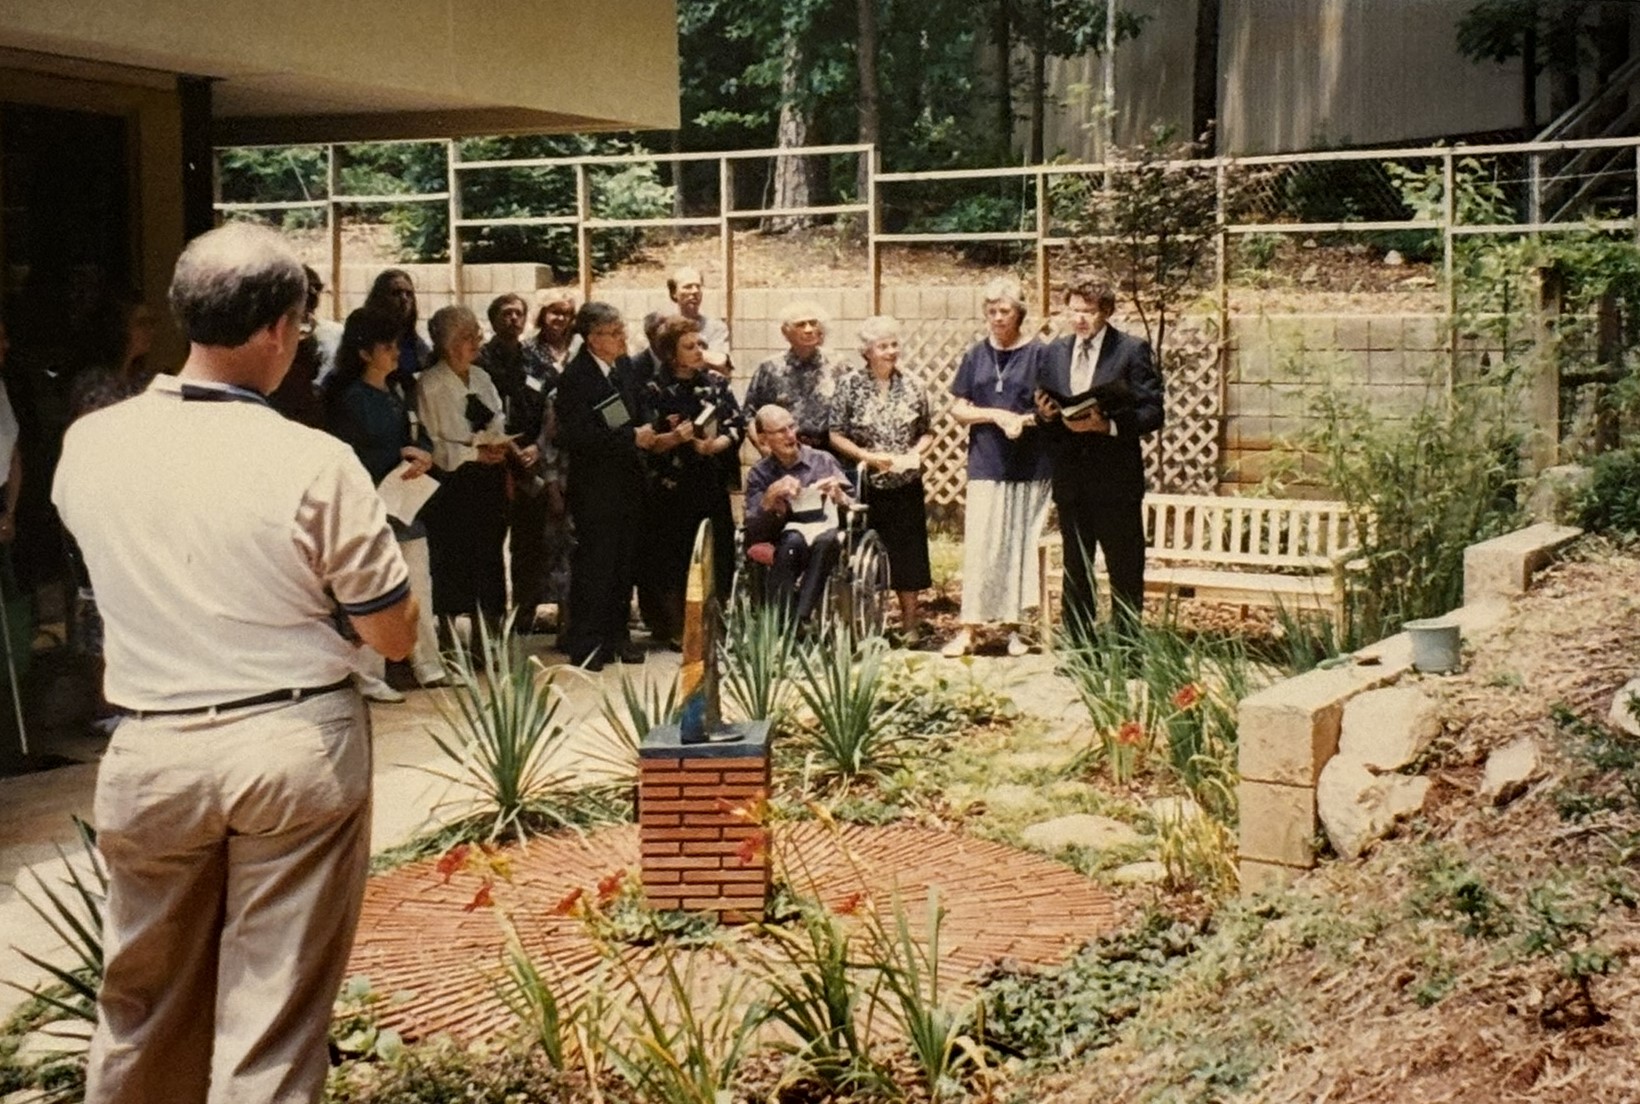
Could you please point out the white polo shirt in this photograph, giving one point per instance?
(220, 539)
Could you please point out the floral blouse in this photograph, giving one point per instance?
(805, 388)
(881, 420)
(667, 395)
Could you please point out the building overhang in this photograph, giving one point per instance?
(317, 71)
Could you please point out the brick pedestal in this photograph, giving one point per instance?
(697, 854)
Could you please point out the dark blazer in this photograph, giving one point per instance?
(606, 470)
(1098, 467)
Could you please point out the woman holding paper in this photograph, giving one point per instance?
(690, 476)
(1007, 499)
(880, 420)
(373, 415)
(467, 523)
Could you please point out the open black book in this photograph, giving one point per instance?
(1110, 398)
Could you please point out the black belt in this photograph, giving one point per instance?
(294, 694)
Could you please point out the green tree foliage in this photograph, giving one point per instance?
(288, 173)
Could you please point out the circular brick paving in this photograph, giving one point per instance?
(420, 939)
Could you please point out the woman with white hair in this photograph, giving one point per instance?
(467, 522)
(1007, 500)
(880, 419)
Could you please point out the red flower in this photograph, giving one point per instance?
(481, 899)
(850, 905)
(1132, 733)
(609, 887)
(452, 861)
(752, 848)
(566, 904)
(1187, 695)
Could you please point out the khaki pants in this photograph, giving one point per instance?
(237, 848)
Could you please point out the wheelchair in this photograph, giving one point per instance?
(856, 596)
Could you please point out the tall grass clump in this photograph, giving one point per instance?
(508, 742)
(1420, 487)
(1165, 695)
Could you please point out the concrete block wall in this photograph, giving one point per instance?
(1400, 358)
(697, 853)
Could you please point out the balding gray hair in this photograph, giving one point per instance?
(595, 314)
(235, 281)
(767, 411)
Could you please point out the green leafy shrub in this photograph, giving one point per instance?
(1420, 488)
(1062, 1014)
(1611, 501)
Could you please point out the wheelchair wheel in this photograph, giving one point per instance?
(860, 585)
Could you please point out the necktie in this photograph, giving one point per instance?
(1082, 369)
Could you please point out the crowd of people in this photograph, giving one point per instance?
(573, 468)
(593, 463)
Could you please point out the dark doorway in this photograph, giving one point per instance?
(65, 256)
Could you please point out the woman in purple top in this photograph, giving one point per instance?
(1007, 499)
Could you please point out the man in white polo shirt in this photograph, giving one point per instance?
(227, 546)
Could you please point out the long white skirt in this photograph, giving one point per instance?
(1003, 523)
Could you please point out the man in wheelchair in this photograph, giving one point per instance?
(792, 500)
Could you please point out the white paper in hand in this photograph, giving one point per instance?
(906, 462)
(403, 497)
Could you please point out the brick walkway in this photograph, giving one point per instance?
(416, 939)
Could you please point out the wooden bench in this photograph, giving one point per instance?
(1291, 553)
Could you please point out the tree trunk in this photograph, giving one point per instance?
(1003, 32)
(1039, 82)
(1529, 75)
(791, 174)
(870, 114)
(1204, 98)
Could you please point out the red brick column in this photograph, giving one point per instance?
(702, 847)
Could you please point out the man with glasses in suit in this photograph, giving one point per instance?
(1097, 466)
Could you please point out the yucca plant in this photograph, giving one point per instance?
(503, 711)
(76, 916)
(758, 659)
(642, 706)
(842, 686)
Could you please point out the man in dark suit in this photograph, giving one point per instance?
(601, 427)
(1098, 471)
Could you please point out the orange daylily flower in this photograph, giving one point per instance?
(1132, 733)
(452, 861)
(1187, 696)
(609, 887)
(481, 899)
(752, 848)
(567, 903)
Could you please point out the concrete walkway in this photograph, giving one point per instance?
(36, 810)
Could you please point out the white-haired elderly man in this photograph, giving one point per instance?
(802, 380)
(792, 500)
